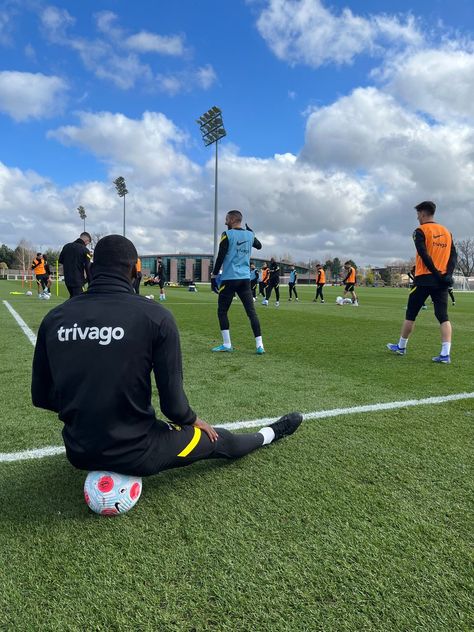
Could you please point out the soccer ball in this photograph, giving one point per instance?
(29, 293)
(111, 494)
(150, 297)
(347, 301)
(339, 300)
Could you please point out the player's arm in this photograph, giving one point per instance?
(87, 265)
(43, 394)
(256, 243)
(223, 248)
(35, 265)
(453, 259)
(168, 370)
(420, 245)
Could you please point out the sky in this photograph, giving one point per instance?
(340, 117)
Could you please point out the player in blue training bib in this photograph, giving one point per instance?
(234, 260)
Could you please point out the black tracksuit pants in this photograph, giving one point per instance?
(227, 291)
(292, 289)
(179, 446)
(319, 291)
(273, 284)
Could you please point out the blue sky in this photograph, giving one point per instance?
(340, 117)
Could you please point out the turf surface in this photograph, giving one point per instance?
(358, 522)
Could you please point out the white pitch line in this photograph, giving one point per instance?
(23, 326)
(9, 457)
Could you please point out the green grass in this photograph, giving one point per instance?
(358, 522)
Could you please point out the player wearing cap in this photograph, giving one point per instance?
(435, 262)
(234, 259)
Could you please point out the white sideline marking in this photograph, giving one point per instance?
(9, 457)
(24, 327)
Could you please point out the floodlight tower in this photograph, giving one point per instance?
(212, 130)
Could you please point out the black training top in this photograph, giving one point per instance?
(92, 365)
(274, 271)
(75, 260)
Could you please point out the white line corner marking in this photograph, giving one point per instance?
(9, 457)
(23, 326)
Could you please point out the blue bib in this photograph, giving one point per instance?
(236, 264)
(293, 276)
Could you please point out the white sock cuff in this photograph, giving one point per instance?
(268, 434)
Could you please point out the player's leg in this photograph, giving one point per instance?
(440, 302)
(178, 447)
(290, 290)
(162, 291)
(295, 292)
(321, 292)
(451, 295)
(416, 299)
(245, 295)
(226, 295)
(277, 294)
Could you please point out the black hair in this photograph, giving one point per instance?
(429, 207)
(115, 252)
(85, 235)
(235, 215)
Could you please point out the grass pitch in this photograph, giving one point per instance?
(358, 522)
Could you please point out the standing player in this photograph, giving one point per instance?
(273, 283)
(161, 274)
(350, 281)
(254, 276)
(75, 258)
(263, 279)
(38, 267)
(435, 262)
(320, 281)
(292, 282)
(234, 258)
(138, 278)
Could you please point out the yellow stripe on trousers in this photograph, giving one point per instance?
(412, 290)
(192, 444)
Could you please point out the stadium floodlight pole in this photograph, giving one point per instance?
(121, 192)
(212, 129)
(82, 215)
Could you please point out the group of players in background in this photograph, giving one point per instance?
(268, 279)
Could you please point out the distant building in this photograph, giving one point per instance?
(198, 267)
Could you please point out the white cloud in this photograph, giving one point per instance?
(439, 82)
(24, 95)
(149, 148)
(145, 42)
(116, 55)
(304, 31)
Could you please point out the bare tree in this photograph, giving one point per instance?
(95, 238)
(24, 254)
(465, 250)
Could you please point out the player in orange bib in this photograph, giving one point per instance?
(350, 281)
(436, 259)
(320, 281)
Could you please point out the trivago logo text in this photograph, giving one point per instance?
(104, 335)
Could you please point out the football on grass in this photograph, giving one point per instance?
(111, 494)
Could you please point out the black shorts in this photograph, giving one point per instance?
(419, 294)
(349, 287)
(161, 283)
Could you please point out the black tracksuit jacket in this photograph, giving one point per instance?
(92, 365)
(75, 260)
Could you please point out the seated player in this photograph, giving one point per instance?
(113, 426)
